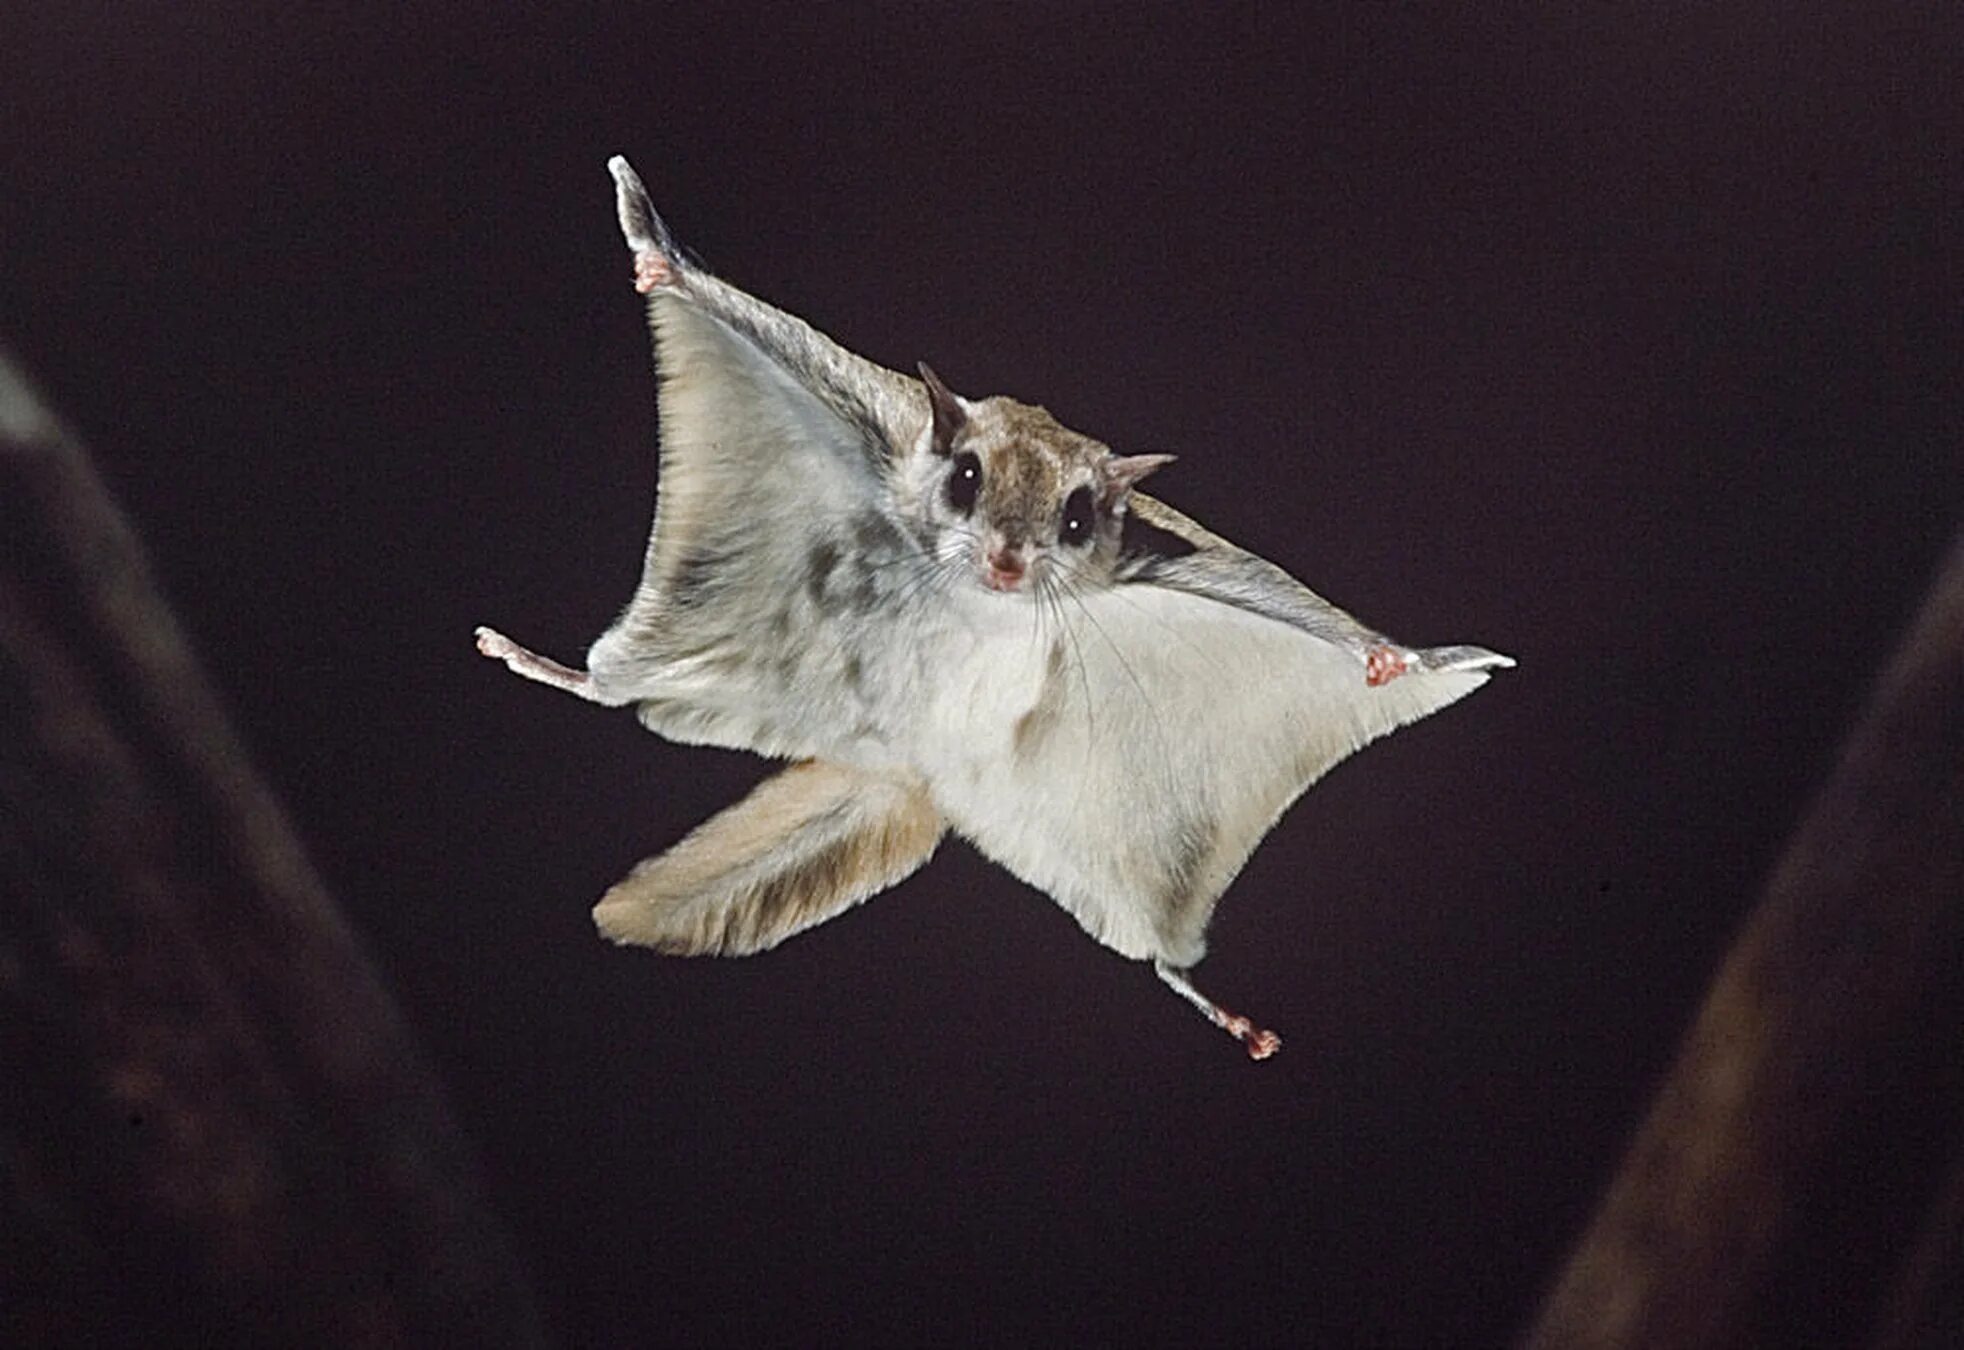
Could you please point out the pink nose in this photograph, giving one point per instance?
(1005, 569)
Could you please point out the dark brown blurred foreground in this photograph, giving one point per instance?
(214, 1127)
(1800, 1178)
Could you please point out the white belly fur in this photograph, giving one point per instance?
(1181, 730)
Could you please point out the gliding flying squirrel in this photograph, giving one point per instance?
(953, 613)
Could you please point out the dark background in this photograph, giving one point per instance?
(1624, 342)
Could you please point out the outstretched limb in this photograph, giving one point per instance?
(1260, 1043)
(852, 387)
(519, 661)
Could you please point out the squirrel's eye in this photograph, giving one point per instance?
(1078, 518)
(965, 483)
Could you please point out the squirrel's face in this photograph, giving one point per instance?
(1022, 497)
(1016, 500)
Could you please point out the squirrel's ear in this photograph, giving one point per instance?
(1123, 472)
(949, 416)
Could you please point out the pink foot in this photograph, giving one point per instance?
(1382, 665)
(1260, 1043)
(651, 270)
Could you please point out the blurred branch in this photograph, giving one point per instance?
(216, 1125)
(1814, 1120)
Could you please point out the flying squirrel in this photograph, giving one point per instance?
(953, 613)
